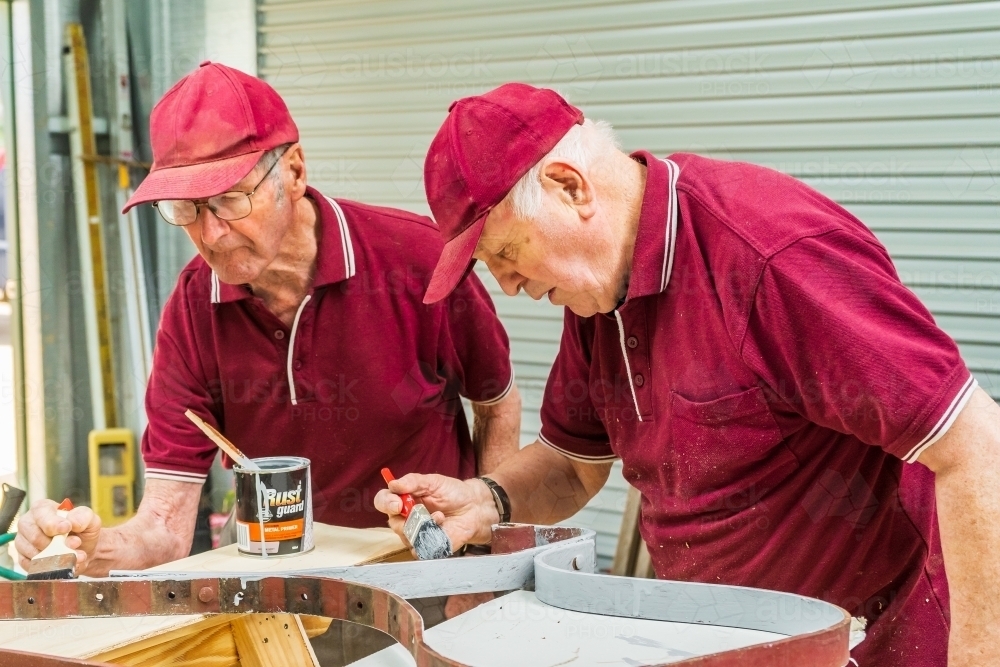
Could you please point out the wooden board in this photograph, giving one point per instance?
(85, 637)
(206, 643)
(335, 546)
(272, 640)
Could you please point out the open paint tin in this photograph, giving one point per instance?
(274, 514)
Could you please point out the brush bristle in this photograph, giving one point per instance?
(426, 537)
(62, 566)
(431, 542)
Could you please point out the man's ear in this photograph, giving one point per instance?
(297, 171)
(565, 180)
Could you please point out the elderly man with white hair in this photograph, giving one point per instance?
(789, 410)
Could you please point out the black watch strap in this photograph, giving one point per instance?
(500, 498)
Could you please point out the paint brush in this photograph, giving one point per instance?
(426, 537)
(56, 561)
(220, 440)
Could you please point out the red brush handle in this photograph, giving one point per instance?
(408, 501)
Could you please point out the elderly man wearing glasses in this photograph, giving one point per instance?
(299, 329)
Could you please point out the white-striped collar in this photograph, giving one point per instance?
(656, 235)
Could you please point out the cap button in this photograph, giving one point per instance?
(204, 62)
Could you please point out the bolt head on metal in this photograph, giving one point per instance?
(206, 594)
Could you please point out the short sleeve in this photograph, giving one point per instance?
(840, 339)
(570, 422)
(172, 447)
(479, 348)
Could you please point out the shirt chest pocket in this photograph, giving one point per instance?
(725, 454)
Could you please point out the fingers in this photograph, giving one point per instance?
(36, 529)
(396, 523)
(25, 547)
(30, 538)
(416, 485)
(48, 521)
(388, 502)
(84, 522)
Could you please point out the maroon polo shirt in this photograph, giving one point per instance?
(763, 383)
(367, 375)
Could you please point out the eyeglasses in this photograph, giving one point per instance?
(228, 206)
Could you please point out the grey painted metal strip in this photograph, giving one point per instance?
(417, 579)
(564, 578)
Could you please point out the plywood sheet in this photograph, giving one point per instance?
(336, 546)
(207, 643)
(272, 640)
(84, 637)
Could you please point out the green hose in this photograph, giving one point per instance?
(4, 572)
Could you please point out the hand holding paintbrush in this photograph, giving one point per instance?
(56, 561)
(429, 541)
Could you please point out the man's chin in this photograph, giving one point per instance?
(235, 275)
(582, 311)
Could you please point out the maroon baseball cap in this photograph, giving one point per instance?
(209, 131)
(486, 144)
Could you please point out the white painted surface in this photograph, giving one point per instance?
(8, 439)
(231, 33)
(394, 656)
(32, 280)
(517, 629)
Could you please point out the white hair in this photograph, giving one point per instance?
(581, 145)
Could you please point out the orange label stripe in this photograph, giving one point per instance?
(281, 530)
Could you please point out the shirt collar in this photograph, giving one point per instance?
(656, 237)
(334, 256)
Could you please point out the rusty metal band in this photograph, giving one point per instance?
(563, 577)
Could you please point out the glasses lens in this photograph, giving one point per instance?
(177, 212)
(230, 205)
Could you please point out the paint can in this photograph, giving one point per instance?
(274, 514)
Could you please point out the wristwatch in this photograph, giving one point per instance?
(500, 498)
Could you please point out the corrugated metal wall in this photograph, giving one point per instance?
(892, 108)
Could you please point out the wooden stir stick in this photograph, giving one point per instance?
(229, 448)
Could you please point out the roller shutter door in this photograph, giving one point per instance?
(892, 108)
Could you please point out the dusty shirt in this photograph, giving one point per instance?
(763, 384)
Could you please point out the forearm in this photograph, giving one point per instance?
(969, 517)
(966, 465)
(160, 532)
(496, 431)
(545, 487)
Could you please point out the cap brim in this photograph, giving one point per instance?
(194, 181)
(454, 263)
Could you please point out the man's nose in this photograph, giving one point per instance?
(213, 228)
(509, 280)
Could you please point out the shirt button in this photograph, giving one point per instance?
(632, 342)
(279, 334)
(639, 380)
(297, 365)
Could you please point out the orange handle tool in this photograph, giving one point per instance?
(408, 501)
